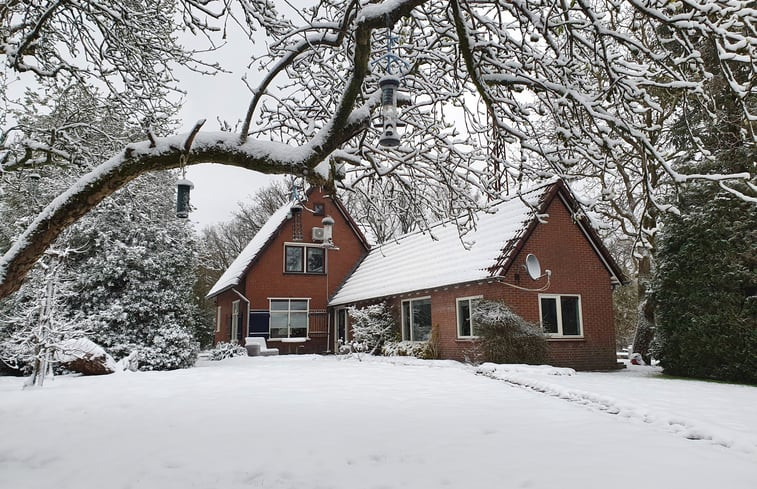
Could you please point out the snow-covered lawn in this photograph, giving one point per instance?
(321, 422)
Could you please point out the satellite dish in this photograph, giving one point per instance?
(532, 267)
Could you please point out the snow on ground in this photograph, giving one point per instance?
(325, 422)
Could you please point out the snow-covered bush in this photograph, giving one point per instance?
(224, 350)
(417, 349)
(370, 327)
(506, 337)
(171, 348)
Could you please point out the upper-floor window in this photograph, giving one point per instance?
(416, 319)
(304, 259)
(466, 327)
(561, 315)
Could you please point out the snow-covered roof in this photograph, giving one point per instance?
(417, 262)
(238, 267)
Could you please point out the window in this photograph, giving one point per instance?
(234, 330)
(293, 259)
(218, 319)
(304, 259)
(416, 319)
(561, 315)
(466, 328)
(315, 259)
(289, 318)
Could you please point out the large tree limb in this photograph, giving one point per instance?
(225, 148)
(162, 154)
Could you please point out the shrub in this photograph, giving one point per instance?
(224, 350)
(370, 327)
(417, 349)
(172, 348)
(506, 337)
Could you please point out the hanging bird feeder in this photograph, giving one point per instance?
(34, 179)
(183, 186)
(389, 85)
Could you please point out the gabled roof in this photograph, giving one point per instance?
(236, 271)
(233, 275)
(416, 262)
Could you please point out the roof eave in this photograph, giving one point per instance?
(221, 291)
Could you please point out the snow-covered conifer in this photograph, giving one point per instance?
(370, 326)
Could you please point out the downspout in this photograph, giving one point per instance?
(328, 314)
(248, 309)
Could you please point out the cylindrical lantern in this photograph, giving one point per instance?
(328, 227)
(183, 187)
(34, 183)
(389, 85)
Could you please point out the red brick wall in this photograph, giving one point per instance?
(266, 278)
(576, 268)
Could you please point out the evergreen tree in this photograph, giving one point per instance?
(134, 272)
(136, 279)
(706, 277)
(706, 289)
(371, 325)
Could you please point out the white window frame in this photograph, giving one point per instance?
(234, 329)
(304, 263)
(470, 300)
(558, 299)
(410, 317)
(219, 317)
(289, 315)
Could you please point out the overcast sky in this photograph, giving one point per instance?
(218, 188)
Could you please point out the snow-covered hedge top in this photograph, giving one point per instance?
(417, 262)
(236, 270)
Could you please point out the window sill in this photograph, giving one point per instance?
(319, 274)
(290, 340)
(466, 339)
(566, 338)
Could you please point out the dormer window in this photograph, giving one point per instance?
(304, 259)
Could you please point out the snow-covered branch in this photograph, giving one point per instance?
(496, 94)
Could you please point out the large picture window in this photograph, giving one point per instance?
(466, 328)
(416, 319)
(561, 315)
(289, 318)
(304, 259)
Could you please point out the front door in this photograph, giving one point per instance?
(340, 326)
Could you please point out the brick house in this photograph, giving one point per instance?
(280, 284)
(437, 279)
